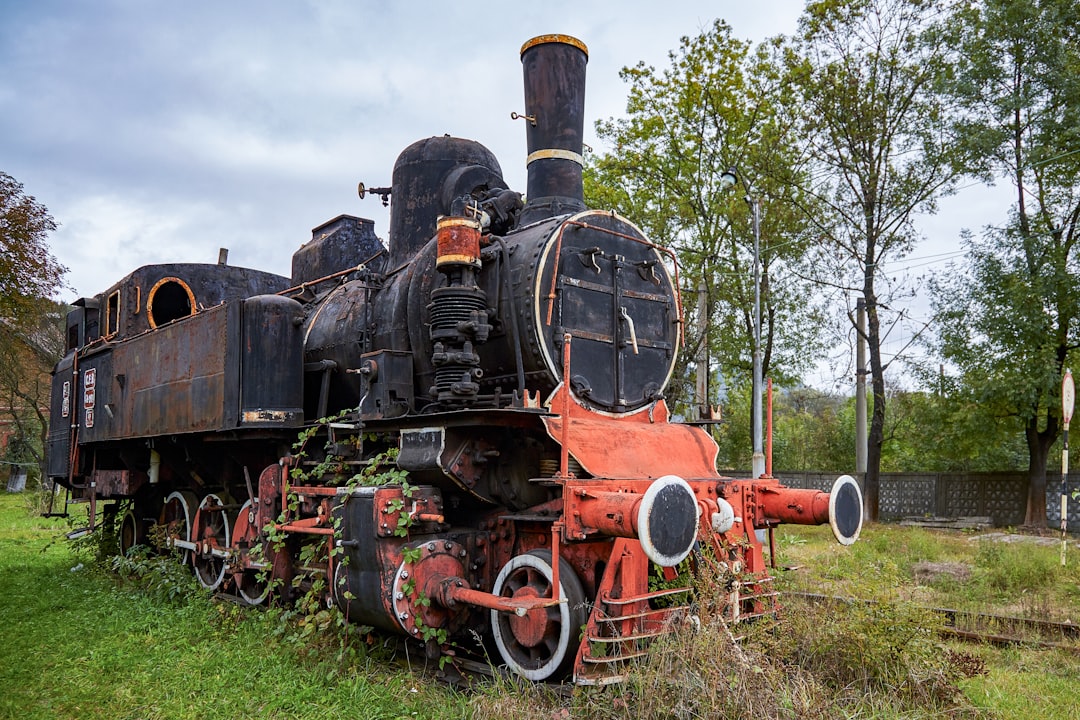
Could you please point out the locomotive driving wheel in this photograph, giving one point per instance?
(210, 532)
(543, 643)
(252, 577)
(130, 533)
(176, 516)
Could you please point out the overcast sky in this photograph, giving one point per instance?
(161, 131)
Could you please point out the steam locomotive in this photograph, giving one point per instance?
(464, 430)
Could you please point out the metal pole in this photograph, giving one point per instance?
(860, 388)
(1068, 397)
(758, 459)
(768, 429)
(701, 384)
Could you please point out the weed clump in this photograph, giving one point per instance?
(1007, 569)
(162, 578)
(829, 661)
(865, 656)
(841, 659)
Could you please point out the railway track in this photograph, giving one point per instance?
(988, 628)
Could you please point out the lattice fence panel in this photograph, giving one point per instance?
(1053, 505)
(901, 496)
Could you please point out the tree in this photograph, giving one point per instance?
(715, 107)
(946, 431)
(812, 430)
(28, 351)
(28, 271)
(875, 137)
(31, 332)
(1010, 323)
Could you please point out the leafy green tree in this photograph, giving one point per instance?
(28, 271)
(717, 106)
(940, 431)
(31, 336)
(813, 430)
(1010, 322)
(947, 431)
(874, 133)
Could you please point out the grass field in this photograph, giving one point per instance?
(978, 572)
(77, 642)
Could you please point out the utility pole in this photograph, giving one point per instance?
(728, 180)
(701, 378)
(860, 388)
(758, 460)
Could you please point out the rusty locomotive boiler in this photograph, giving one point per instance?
(486, 444)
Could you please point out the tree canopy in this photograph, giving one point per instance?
(28, 270)
(718, 105)
(31, 325)
(873, 129)
(1011, 322)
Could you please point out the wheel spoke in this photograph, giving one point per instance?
(252, 584)
(211, 531)
(538, 646)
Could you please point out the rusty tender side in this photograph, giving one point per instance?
(488, 446)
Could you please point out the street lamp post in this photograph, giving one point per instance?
(728, 180)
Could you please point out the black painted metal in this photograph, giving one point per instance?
(209, 284)
(429, 176)
(554, 75)
(343, 242)
(364, 570)
(271, 363)
(672, 521)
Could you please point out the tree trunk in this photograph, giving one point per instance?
(1039, 444)
(872, 482)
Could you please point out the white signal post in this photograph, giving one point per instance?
(1068, 399)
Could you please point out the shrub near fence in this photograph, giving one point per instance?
(1000, 496)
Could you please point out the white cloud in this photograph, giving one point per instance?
(161, 132)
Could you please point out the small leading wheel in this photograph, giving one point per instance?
(210, 532)
(542, 644)
(176, 516)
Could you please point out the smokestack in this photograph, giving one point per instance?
(554, 68)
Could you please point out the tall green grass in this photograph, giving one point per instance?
(81, 641)
(77, 643)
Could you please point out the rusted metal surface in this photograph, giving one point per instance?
(118, 483)
(458, 242)
(779, 504)
(344, 242)
(185, 289)
(649, 445)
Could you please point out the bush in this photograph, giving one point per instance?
(829, 660)
(162, 578)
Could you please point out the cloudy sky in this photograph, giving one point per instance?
(161, 131)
